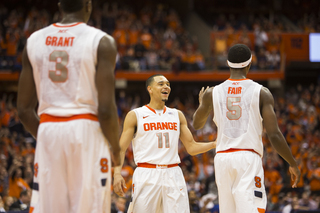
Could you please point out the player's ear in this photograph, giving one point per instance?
(59, 6)
(248, 67)
(88, 6)
(149, 89)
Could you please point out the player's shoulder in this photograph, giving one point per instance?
(266, 96)
(39, 32)
(265, 91)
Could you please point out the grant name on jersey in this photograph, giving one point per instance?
(160, 126)
(59, 41)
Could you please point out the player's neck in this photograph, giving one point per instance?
(157, 105)
(72, 18)
(237, 75)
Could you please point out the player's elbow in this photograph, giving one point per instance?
(196, 125)
(22, 112)
(191, 151)
(275, 137)
(107, 112)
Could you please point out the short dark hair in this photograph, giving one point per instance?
(24, 193)
(239, 53)
(150, 80)
(71, 6)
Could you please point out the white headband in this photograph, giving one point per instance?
(239, 65)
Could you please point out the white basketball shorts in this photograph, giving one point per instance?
(72, 167)
(159, 190)
(240, 181)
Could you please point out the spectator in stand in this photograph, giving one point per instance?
(273, 181)
(119, 206)
(261, 38)
(273, 60)
(128, 61)
(3, 51)
(4, 179)
(16, 183)
(152, 58)
(23, 203)
(140, 51)
(120, 36)
(274, 42)
(314, 177)
(133, 34)
(108, 18)
(8, 201)
(308, 202)
(146, 38)
(12, 38)
(262, 59)
(193, 201)
(2, 205)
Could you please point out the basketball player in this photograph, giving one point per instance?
(154, 129)
(241, 107)
(69, 68)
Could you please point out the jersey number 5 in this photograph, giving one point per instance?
(61, 59)
(235, 111)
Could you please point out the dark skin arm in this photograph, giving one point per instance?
(105, 83)
(275, 136)
(204, 109)
(27, 97)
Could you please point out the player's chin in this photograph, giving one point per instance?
(165, 99)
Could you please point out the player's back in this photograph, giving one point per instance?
(63, 58)
(237, 115)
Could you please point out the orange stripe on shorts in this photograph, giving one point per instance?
(31, 209)
(261, 210)
(51, 118)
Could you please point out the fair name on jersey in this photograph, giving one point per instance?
(234, 90)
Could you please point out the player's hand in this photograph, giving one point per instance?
(295, 175)
(119, 185)
(201, 93)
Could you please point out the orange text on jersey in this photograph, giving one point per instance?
(160, 126)
(234, 90)
(59, 41)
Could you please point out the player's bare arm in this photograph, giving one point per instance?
(186, 137)
(204, 109)
(275, 136)
(129, 127)
(105, 83)
(27, 97)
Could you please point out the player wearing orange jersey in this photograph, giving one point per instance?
(154, 129)
(241, 107)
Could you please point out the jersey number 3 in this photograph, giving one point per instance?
(234, 111)
(61, 59)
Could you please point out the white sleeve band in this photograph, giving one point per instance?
(239, 65)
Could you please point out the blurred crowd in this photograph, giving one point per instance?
(150, 39)
(153, 38)
(260, 34)
(298, 117)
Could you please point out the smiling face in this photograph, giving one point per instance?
(159, 88)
